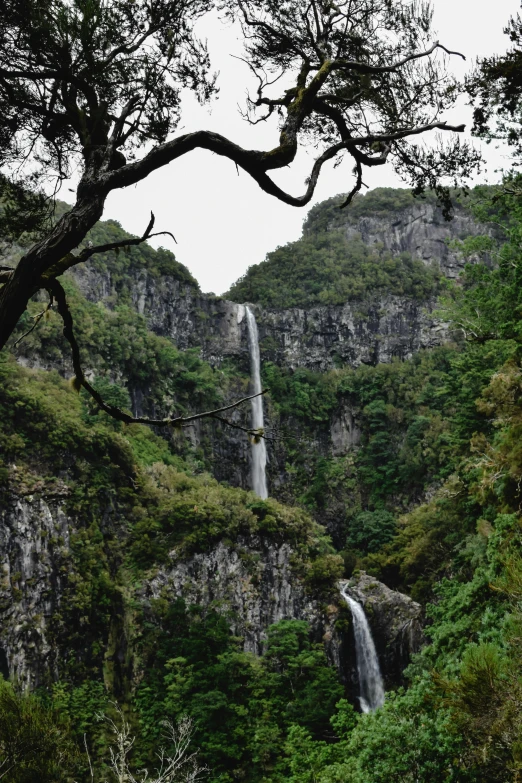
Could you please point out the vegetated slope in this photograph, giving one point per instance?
(132, 503)
(124, 264)
(324, 267)
(327, 269)
(330, 265)
(430, 502)
(453, 416)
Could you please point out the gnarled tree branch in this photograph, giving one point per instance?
(56, 290)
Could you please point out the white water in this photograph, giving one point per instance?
(371, 687)
(258, 449)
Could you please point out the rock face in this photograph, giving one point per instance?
(322, 338)
(34, 540)
(318, 338)
(395, 621)
(419, 230)
(252, 581)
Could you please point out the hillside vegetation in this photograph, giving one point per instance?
(429, 503)
(125, 264)
(327, 269)
(323, 267)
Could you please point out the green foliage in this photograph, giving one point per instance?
(301, 393)
(370, 530)
(379, 201)
(414, 421)
(327, 269)
(325, 571)
(35, 742)
(118, 342)
(242, 705)
(191, 514)
(487, 304)
(129, 263)
(404, 742)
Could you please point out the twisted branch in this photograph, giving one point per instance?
(56, 290)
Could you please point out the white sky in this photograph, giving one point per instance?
(223, 222)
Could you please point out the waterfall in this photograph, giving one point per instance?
(371, 686)
(258, 449)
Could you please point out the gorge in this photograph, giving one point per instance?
(154, 568)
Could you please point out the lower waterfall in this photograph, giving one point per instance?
(371, 687)
(258, 449)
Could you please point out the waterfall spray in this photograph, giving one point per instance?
(258, 449)
(371, 687)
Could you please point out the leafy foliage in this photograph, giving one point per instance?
(35, 742)
(326, 268)
(241, 705)
(118, 343)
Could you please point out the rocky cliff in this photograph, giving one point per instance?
(253, 578)
(319, 338)
(34, 549)
(252, 581)
(377, 329)
(420, 230)
(396, 622)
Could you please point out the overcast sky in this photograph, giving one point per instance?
(223, 223)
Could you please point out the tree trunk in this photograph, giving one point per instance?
(62, 239)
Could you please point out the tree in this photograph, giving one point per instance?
(35, 743)
(495, 87)
(178, 764)
(97, 84)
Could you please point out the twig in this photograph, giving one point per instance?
(88, 756)
(36, 319)
(71, 260)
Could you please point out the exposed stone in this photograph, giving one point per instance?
(395, 621)
(421, 231)
(34, 542)
(345, 433)
(252, 582)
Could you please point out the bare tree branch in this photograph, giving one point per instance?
(36, 319)
(57, 291)
(71, 260)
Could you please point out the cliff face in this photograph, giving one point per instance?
(252, 581)
(34, 543)
(319, 338)
(419, 230)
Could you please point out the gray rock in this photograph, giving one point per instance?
(421, 231)
(252, 582)
(396, 622)
(34, 544)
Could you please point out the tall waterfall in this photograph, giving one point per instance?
(258, 449)
(371, 688)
